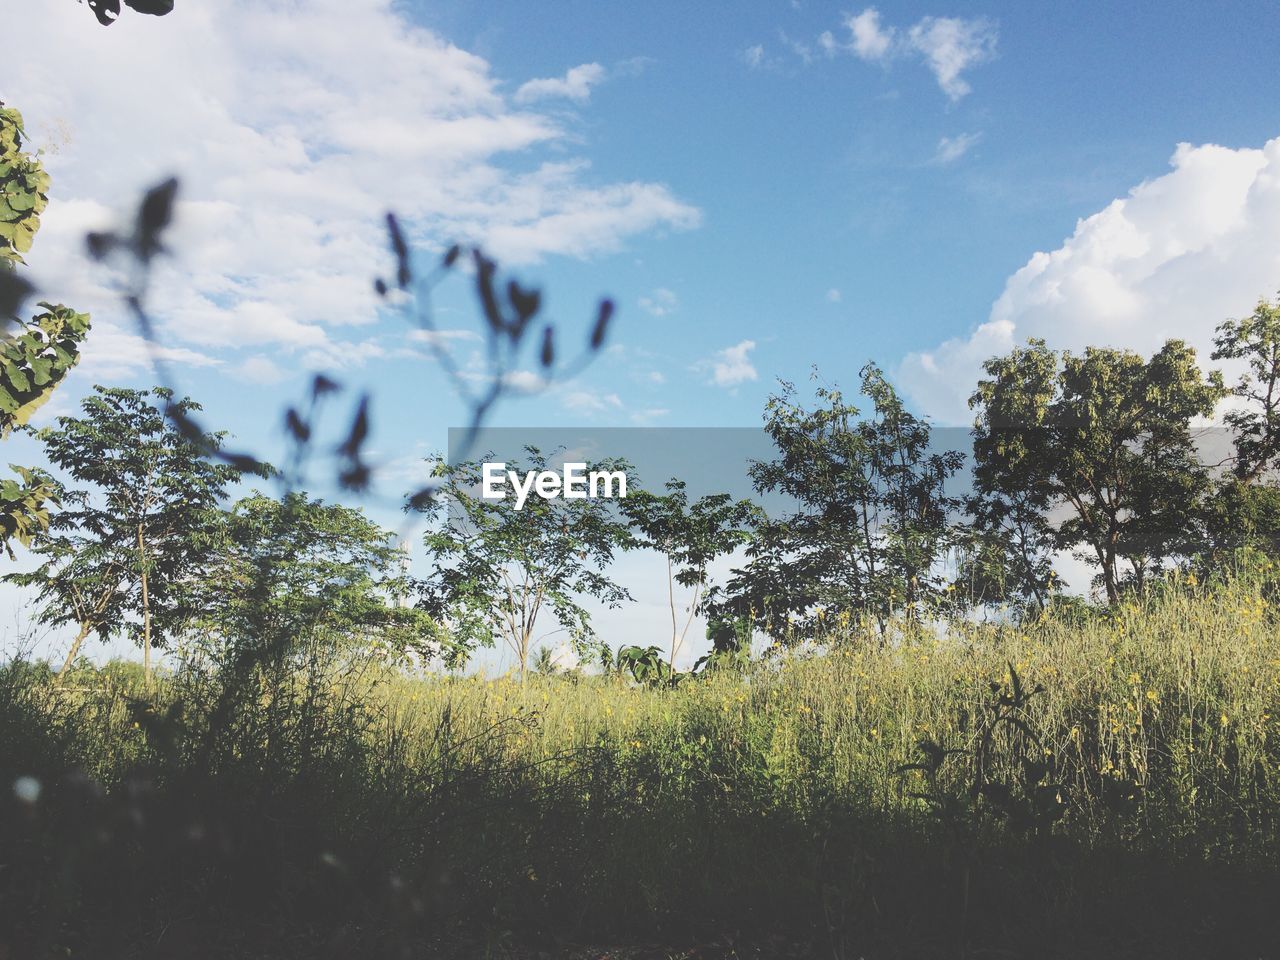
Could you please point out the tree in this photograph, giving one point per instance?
(872, 519)
(298, 573)
(1256, 341)
(1007, 550)
(690, 536)
(1105, 438)
(121, 553)
(35, 355)
(497, 567)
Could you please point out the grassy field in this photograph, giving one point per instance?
(1095, 785)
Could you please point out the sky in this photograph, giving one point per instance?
(762, 187)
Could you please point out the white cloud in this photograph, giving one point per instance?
(732, 365)
(294, 127)
(870, 40)
(260, 369)
(552, 212)
(644, 418)
(1174, 258)
(834, 295)
(754, 56)
(798, 47)
(949, 46)
(111, 353)
(575, 85)
(518, 381)
(660, 302)
(951, 149)
(442, 338)
(585, 401)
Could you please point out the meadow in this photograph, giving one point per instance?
(1093, 783)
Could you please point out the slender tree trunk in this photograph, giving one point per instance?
(71, 654)
(146, 608)
(671, 599)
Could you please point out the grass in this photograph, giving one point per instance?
(335, 803)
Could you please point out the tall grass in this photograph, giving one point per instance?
(408, 813)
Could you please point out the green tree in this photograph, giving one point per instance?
(1256, 424)
(301, 574)
(689, 535)
(871, 523)
(120, 555)
(1007, 550)
(1101, 445)
(498, 568)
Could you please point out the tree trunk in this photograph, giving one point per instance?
(71, 654)
(146, 609)
(671, 600)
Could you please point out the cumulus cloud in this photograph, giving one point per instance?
(112, 353)
(951, 149)
(575, 85)
(294, 127)
(732, 365)
(660, 302)
(260, 369)
(870, 40)
(949, 46)
(1174, 258)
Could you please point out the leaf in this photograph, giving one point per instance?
(359, 430)
(107, 11)
(525, 302)
(321, 385)
(14, 291)
(601, 327)
(155, 8)
(154, 215)
(548, 354)
(401, 249)
(101, 244)
(300, 430)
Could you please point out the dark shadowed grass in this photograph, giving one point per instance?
(329, 807)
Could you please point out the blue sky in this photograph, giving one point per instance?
(761, 186)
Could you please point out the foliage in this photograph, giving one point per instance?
(872, 517)
(436, 815)
(35, 355)
(1256, 426)
(496, 569)
(1012, 777)
(1106, 436)
(690, 536)
(24, 186)
(1241, 514)
(35, 359)
(121, 554)
(108, 11)
(24, 506)
(305, 573)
